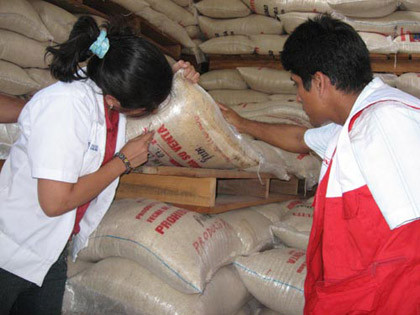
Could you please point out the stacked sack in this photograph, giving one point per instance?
(148, 257)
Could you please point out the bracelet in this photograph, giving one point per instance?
(126, 162)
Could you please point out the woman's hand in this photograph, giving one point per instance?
(189, 72)
(232, 117)
(137, 149)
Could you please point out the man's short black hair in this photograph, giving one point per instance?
(332, 47)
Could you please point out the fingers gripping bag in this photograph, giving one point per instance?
(190, 131)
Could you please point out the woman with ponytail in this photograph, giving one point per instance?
(62, 173)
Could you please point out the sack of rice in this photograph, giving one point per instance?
(378, 43)
(173, 11)
(133, 5)
(397, 23)
(410, 83)
(268, 44)
(58, 21)
(14, 80)
(183, 3)
(226, 79)
(194, 32)
(22, 51)
(223, 9)
(276, 210)
(252, 228)
(9, 133)
(388, 78)
(304, 166)
(275, 7)
(409, 44)
(20, 17)
(229, 45)
(286, 98)
(235, 97)
(364, 8)
(268, 80)
(411, 5)
(191, 132)
(41, 76)
(295, 226)
(73, 268)
(275, 278)
(120, 286)
(251, 25)
(291, 20)
(148, 232)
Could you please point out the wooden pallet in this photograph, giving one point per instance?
(208, 190)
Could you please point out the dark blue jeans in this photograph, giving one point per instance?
(19, 296)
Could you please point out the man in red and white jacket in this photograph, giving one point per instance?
(363, 255)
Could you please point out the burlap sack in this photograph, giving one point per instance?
(408, 44)
(229, 45)
(235, 97)
(194, 32)
(364, 8)
(251, 25)
(411, 5)
(268, 44)
(41, 76)
(14, 80)
(181, 247)
(410, 83)
(22, 51)
(20, 17)
(275, 278)
(275, 7)
(222, 9)
(291, 20)
(268, 80)
(133, 5)
(120, 286)
(191, 132)
(378, 43)
(58, 21)
(183, 3)
(173, 11)
(226, 79)
(388, 78)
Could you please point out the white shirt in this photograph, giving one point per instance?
(384, 145)
(63, 134)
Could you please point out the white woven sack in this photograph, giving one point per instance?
(397, 23)
(268, 80)
(181, 247)
(120, 286)
(275, 211)
(228, 45)
(409, 44)
(73, 268)
(291, 20)
(14, 80)
(305, 166)
(410, 83)
(192, 132)
(388, 78)
(377, 43)
(295, 226)
(20, 17)
(223, 9)
(58, 21)
(22, 50)
(173, 11)
(235, 97)
(411, 5)
(41, 76)
(228, 79)
(252, 228)
(289, 98)
(9, 133)
(133, 5)
(364, 8)
(275, 7)
(275, 278)
(251, 25)
(268, 44)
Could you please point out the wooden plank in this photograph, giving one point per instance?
(290, 187)
(230, 202)
(183, 190)
(244, 187)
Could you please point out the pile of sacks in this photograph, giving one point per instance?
(148, 257)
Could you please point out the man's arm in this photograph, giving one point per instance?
(286, 137)
(10, 108)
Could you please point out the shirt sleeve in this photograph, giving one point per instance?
(317, 139)
(386, 144)
(58, 138)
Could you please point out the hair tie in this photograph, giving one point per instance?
(101, 45)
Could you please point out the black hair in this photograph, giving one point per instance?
(332, 47)
(133, 70)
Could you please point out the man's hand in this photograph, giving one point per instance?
(233, 118)
(189, 72)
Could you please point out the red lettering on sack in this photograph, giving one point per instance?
(193, 163)
(208, 234)
(293, 203)
(170, 220)
(301, 156)
(301, 267)
(173, 162)
(145, 209)
(167, 137)
(295, 255)
(157, 213)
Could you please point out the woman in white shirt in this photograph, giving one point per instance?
(62, 172)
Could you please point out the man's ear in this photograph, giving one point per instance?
(112, 102)
(321, 82)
